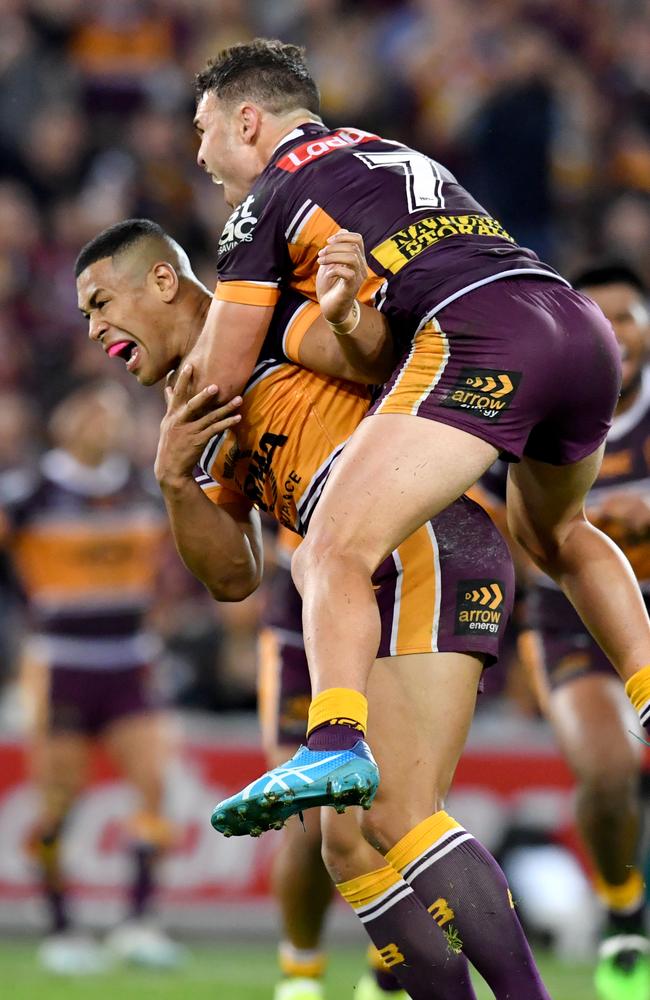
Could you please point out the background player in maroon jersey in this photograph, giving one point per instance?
(583, 697)
(506, 358)
(84, 537)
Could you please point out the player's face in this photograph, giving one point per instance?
(223, 153)
(126, 318)
(626, 311)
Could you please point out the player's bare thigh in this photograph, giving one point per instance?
(141, 745)
(58, 759)
(543, 499)
(395, 473)
(421, 707)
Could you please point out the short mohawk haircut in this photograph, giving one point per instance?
(268, 71)
(112, 241)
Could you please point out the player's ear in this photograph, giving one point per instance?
(250, 120)
(166, 280)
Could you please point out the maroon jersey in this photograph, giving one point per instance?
(427, 240)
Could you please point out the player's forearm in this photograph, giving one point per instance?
(211, 542)
(369, 351)
(228, 347)
(367, 355)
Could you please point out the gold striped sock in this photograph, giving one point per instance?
(301, 963)
(637, 689)
(625, 897)
(339, 706)
(365, 889)
(420, 839)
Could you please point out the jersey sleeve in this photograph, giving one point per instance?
(293, 316)
(252, 255)
(214, 491)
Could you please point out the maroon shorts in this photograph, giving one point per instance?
(527, 364)
(563, 657)
(448, 588)
(87, 701)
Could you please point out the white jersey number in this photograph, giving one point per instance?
(422, 175)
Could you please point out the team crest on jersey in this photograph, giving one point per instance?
(484, 391)
(240, 226)
(479, 606)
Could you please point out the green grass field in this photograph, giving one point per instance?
(225, 972)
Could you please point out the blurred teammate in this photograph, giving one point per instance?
(428, 894)
(84, 537)
(503, 357)
(583, 696)
(300, 880)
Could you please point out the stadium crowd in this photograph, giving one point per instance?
(96, 107)
(95, 126)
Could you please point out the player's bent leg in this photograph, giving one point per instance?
(456, 879)
(591, 719)
(395, 473)
(545, 506)
(140, 745)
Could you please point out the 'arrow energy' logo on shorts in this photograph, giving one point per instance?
(479, 606)
(485, 391)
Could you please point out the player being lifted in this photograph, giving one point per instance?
(443, 598)
(503, 357)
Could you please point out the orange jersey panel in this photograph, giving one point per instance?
(75, 562)
(294, 424)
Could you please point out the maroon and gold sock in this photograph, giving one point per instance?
(637, 688)
(338, 718)
(624, 904)
(381, 973)
(149, 835)
(466, 893)
(406, 938)
(301, 963)
(45, 848)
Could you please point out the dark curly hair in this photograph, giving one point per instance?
(265, 70)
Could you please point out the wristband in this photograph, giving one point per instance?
(351, 321)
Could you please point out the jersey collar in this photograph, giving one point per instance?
(298, 134)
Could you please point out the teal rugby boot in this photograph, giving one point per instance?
(338, 778)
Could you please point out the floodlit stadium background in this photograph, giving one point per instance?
(541, 108)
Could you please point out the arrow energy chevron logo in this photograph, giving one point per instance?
(483, 391)
(479, 606)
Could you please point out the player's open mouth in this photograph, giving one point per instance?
(128, 350)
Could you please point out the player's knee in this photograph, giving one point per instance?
(609, 783)
(341, 841)
(325, 554)
(387, 822)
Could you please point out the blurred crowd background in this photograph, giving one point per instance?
(541, 108)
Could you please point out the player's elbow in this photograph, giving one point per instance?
(235, 585)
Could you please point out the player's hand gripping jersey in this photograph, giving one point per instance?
(407, 207)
